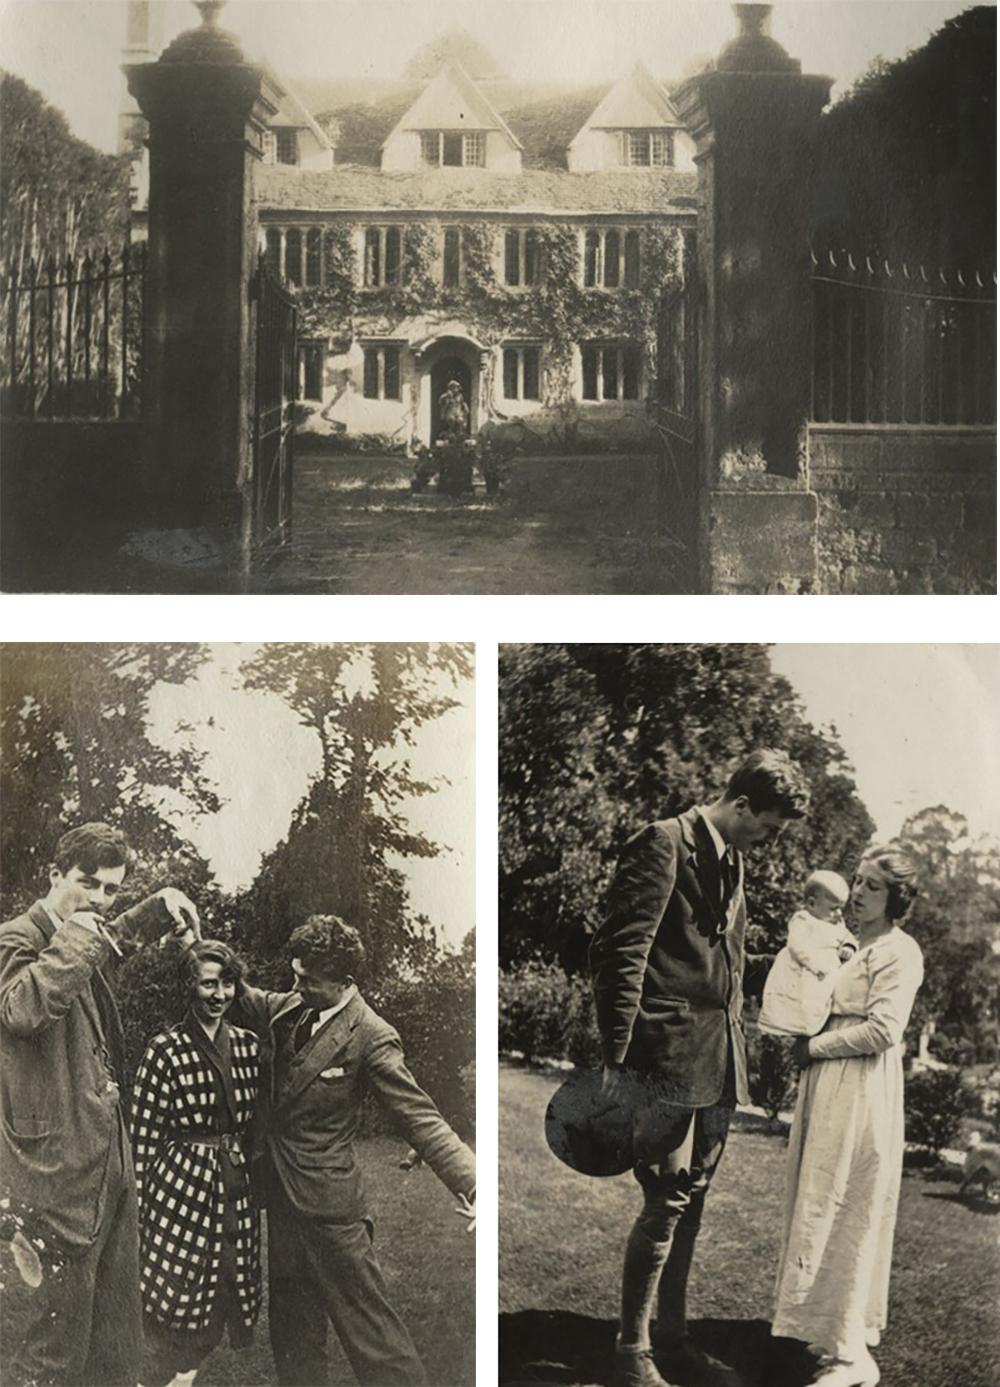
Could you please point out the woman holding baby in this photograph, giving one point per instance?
(845, 1154)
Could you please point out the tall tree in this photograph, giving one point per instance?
(956, 921)
(597, 739)
(907, 166)
(365, 703)
(76, 748)
(59, 196)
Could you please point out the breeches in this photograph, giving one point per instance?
(677, 1151)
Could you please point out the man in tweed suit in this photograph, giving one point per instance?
(67, 1165)
(323, 1047)
(668, 966)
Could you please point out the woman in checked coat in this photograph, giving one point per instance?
(199, 1231)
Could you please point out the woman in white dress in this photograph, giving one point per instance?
(845, 1156)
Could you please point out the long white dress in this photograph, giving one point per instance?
(845, 1156)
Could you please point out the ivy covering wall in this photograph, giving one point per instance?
(557, 310)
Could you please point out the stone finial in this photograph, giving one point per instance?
(209, 10)
(210, 44)
(753, 49)
(754, 19)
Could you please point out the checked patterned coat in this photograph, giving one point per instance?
(181, 1196)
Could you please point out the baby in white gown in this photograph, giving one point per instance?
(800, 985)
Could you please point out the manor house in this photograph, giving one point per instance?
(456, 225)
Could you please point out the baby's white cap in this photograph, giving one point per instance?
(830, 882)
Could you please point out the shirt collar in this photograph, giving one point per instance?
(324, 1016)
(714, 834)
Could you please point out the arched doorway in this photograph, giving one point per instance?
(447, 369)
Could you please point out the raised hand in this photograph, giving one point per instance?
(183, 912)
(69, 899)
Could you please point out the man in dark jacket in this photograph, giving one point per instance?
(668, 966)
(323, 1048)
(67, 1165)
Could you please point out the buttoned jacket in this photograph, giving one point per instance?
(668, 961)
(312, 1107)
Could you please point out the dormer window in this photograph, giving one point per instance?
(453, 148)
(286, 145)
(648, 149)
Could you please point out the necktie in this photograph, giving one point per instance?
(729, 874)
(303, 1028)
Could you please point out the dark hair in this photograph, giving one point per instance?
(207, 951)
(770, 780)
(90, 847)
(330, 945)
(901, 877)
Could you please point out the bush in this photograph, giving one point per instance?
(936, 1102)
(771, 1075)
(548, 1014)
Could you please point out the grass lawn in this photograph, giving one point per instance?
(429, 1263)
(562, 1237)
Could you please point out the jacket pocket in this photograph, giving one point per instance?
(32, 1129)
(654, 1006)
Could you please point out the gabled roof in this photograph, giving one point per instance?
(292, 111)
(453, 101)
(636, 101)
(353, 189)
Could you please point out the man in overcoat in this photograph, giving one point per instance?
(67, 1166)
(323, 1047)
(668, 966)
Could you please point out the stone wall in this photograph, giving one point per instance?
(68, 492)
(904, 510)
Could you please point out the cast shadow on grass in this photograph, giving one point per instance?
(558, 1346)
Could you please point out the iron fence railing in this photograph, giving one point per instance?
(902, 345)
(72, 337)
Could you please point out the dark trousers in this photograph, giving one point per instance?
(83, 1325)
(678, 1151)
(319, 1272)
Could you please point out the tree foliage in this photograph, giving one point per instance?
(908, 162)
(59, 196)
(76, 748)
(595, 740)
(365, 703)
(956, 921)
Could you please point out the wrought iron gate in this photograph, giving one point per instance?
(677, 423)
(273, 440)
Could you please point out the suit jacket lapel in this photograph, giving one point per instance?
(707, 862)
(317, 1052)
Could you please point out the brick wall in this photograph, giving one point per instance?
(904, 510)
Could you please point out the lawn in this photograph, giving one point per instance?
(562, 1236)
(429, 1263)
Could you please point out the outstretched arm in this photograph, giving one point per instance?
(417, 1117)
